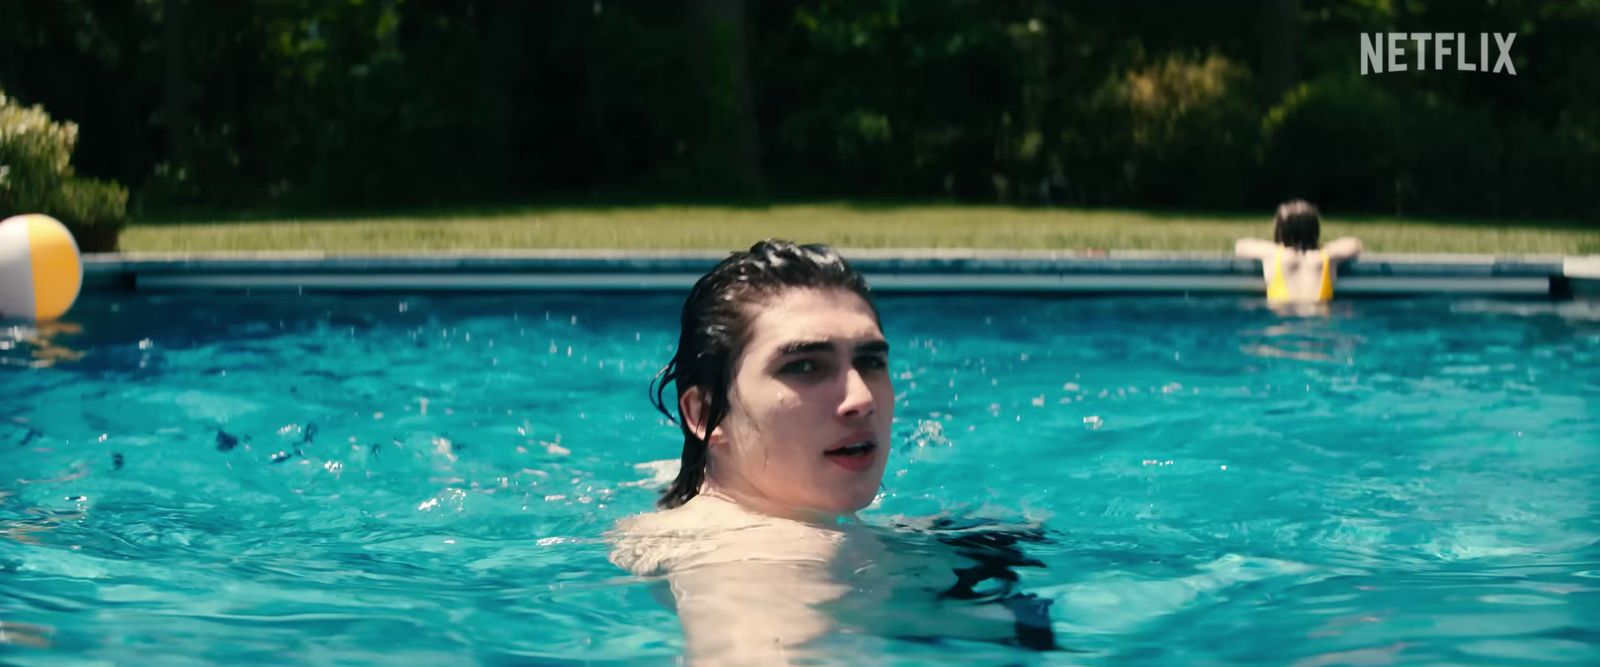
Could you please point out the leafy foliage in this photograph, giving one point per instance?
(36, 176)
(321, 104)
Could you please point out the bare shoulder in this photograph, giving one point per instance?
(649, 544)
(658, 542)
(707, 531)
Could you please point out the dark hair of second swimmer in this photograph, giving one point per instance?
(715, 327)
(1297, 225)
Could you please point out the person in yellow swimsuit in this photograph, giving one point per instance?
(1299, 271)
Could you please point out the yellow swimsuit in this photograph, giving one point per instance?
(1278, 288)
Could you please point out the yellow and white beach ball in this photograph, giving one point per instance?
(40, 271)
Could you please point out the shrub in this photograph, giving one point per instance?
(93, 209)
(1337, 142)
(36, 177)
(1182, 131)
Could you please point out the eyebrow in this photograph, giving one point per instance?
(804, 346)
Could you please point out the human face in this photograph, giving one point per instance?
(811, 384)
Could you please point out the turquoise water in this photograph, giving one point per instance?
(248, 479)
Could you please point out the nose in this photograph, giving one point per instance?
(857, 402)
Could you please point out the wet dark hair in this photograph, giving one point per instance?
(1297, 225)
(715, 327)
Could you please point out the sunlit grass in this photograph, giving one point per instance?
(843, 225)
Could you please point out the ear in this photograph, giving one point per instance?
(694, 408)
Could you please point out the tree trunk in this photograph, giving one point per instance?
(499, 65)
(727, 154)
(177, 81)
(1278, 70)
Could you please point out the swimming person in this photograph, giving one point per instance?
(1298, 270)
(785, 402)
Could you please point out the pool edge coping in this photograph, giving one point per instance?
(889, 270)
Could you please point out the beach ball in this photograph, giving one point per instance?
(40, 271)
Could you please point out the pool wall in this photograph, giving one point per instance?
(1116, 272)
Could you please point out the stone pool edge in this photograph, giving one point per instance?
(928, 271)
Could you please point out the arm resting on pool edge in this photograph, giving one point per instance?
(1342, 249)
(1252, 248)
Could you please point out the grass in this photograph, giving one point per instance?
(840, 224)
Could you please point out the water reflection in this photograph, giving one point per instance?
(40, 345)
(13, 633)
(1303, 340)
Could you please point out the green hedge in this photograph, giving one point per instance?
(1345, 140)
(36, 177)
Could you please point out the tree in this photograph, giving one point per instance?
(727, 148)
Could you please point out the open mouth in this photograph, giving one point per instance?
(863, 448)
(854, 457)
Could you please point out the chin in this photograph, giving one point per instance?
(862, 503)
(852, 500)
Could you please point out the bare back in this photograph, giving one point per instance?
(1298, 276)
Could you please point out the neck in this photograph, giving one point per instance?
(755, 502)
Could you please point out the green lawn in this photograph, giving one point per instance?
(843, 225)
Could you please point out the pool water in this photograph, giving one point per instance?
(426, 480)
